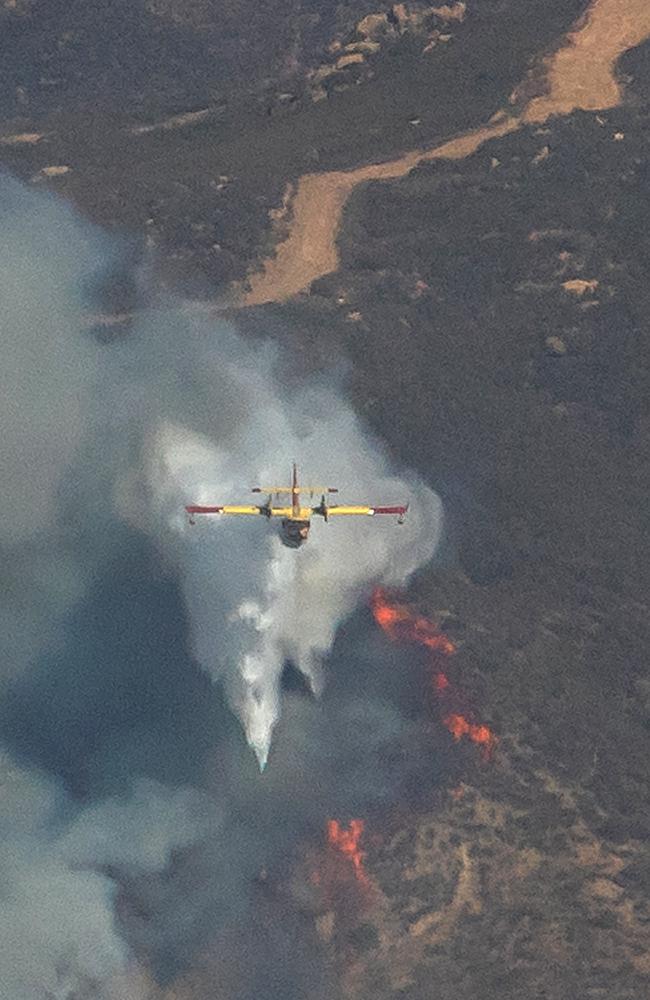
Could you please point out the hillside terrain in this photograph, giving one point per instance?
(491, 314)
(494, 312)
(183, 123)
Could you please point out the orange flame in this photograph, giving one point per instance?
(401, 625)
(347, 842)
(482, 735)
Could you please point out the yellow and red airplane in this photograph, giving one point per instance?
(296, 519)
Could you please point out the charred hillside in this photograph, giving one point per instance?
(494, 311)
(465, 811)
(183, 123)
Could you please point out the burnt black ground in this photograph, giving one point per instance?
(540, 456)
(526, 405)
(117, 66)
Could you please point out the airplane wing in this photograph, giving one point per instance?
(371, 511)
(198, 509)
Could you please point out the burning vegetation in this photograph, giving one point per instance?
(482, 735)
(348, 843)
(401, 624)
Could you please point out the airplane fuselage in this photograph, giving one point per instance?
(294, 532)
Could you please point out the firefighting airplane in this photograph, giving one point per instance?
(296, 519)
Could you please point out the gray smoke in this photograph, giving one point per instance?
(186, 411)
(217, 422)
(46, 377)
(59, 935)
(102, 441)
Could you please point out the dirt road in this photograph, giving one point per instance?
(580, 75)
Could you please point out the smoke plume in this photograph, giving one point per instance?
(190, 413)
(48, 260)
(59, 933)
(103, 444)
(217, 422)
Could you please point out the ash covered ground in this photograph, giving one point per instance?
(490, 319)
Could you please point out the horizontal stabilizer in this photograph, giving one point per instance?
(293, 489)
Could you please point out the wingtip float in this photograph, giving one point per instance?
(285, 502)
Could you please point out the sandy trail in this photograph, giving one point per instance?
(174, 122)
(580, 76)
